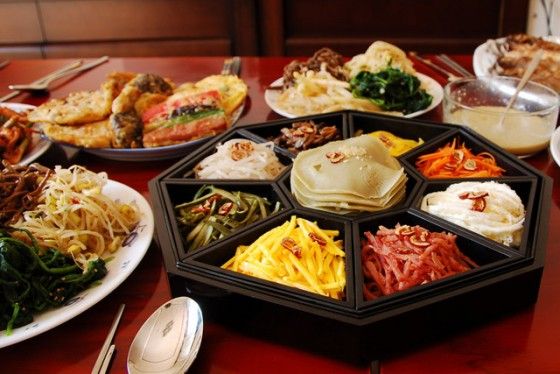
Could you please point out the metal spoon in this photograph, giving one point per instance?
(44, 85)
(169, 340)
(522, 82)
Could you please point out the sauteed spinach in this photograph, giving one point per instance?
(32, 280)
(392, 90)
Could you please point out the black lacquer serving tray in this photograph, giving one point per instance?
(506, 278)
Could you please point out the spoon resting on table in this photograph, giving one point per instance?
(169, 340)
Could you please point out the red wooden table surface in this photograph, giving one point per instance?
(526, 341)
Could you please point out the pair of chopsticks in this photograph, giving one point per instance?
(108, 349)
(456, 71)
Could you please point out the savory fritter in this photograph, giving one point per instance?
(92, 135)
(84, 106)
(232, 89)
(134, 89)
(127, 130)
(148, 100)
(75, 109)
(140, 93)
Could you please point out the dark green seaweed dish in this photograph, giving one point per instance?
(215, 213)
(33, 280)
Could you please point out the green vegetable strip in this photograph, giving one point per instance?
(215, 213)
(186, 118)
(32, 280)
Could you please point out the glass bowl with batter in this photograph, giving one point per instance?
(480, 102)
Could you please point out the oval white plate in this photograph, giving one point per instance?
(39, 145)
(432, 87)
(485, 55)
(122, 264)
(146, 154)
(555, 146)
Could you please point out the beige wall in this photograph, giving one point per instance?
(536, 20)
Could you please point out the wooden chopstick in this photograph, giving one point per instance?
(446, 60)
(106, 351)
(433, 66)
(107, 359)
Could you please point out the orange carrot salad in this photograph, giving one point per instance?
(454, 161)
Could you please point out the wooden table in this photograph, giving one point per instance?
(526, 341)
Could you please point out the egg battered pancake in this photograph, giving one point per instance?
(141, 84)
(232, 89)
(92, 135)
(84, 106)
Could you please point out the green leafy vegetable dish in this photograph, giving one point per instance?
(33, 280)
(392, 90)
(215, 213)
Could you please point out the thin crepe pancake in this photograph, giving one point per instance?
(357, 174)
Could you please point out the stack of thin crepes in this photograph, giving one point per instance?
(356, 174)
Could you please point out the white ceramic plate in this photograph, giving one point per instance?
(155, 153)
(555, 146)
(122, 264)
(39, 145)
(486, 54)
(432, 87)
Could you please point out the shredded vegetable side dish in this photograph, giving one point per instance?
(74, 215)
(397, 259)
(458, 161)
(33, 280)
(15, 135)
(320, 92)
(240, 159)
(215, 213)
(491, 209)
(297, 254)
(20, 190)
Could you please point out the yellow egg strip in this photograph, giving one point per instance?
(289, 255)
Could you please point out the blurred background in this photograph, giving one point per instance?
(87, 28)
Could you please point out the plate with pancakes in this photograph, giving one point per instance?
(140, 117)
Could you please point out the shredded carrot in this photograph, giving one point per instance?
(454, 161)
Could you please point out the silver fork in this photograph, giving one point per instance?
(70, 66)
(44, 85)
